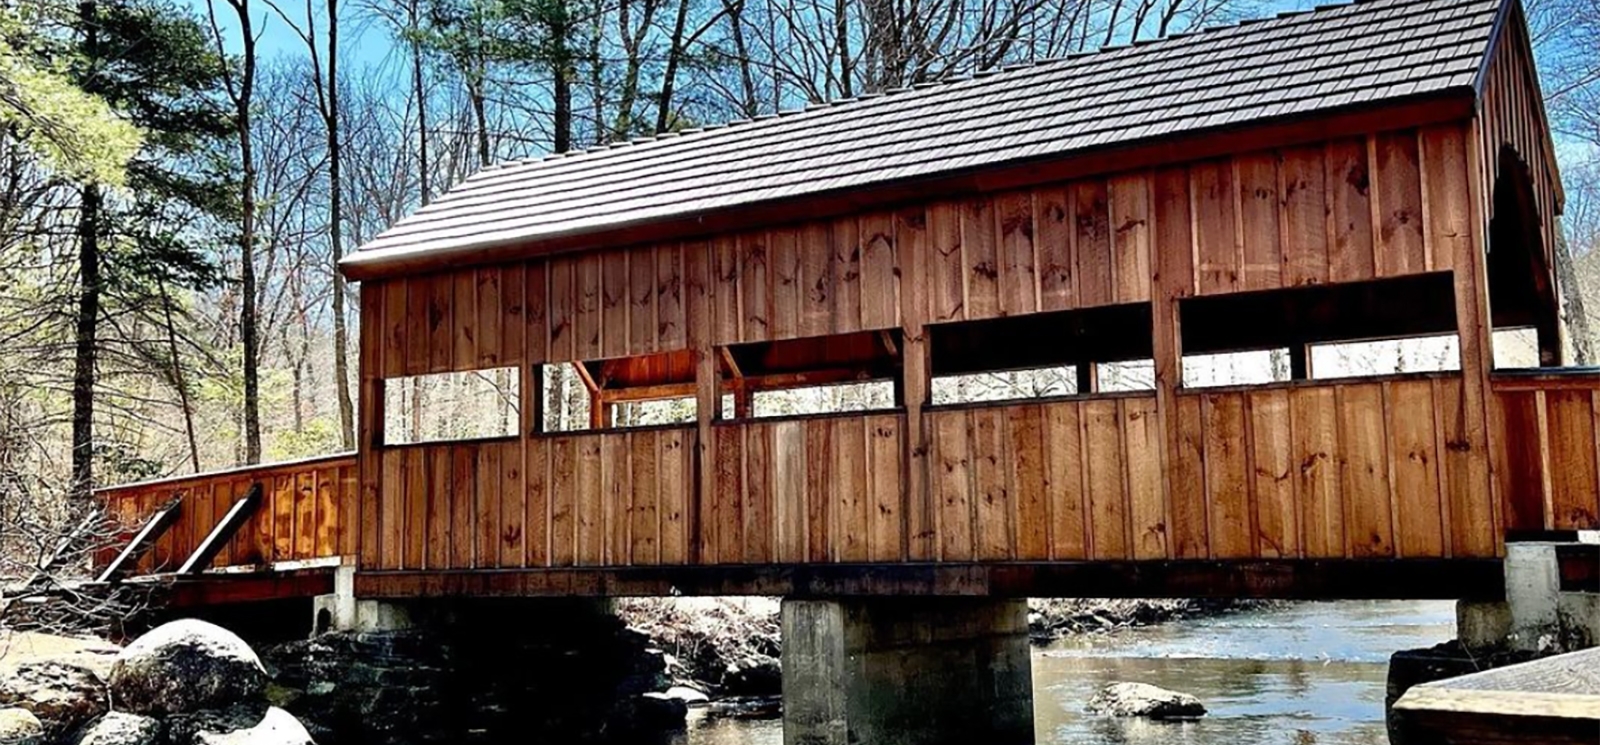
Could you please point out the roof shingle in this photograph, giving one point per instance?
(1295, 64)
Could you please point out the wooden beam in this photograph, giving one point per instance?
(889, 344)
(153, 529)
(1297, 579)
(727, 359)
(241, 511)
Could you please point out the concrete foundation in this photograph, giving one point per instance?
(906, 671)
(343, 611)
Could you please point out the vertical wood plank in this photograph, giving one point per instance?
(1216, 237)
(1052, 214)
(1258, 214)
(1304, 214)
(1190, 512)
(1277, 520)
(845, 270)
(1130, 221)
(1019, 285)
(786, 285)
(1399, 198)
(1350, 242)
(991, 462)
(946, 265)
(1227, 484)
(886, 532)
(880, 282)
(1142, 443)
(755, 287)
(1063, 449)
(952, 472)
(1091, 247)
(640, 294)
(1030, 486)
(644, 534)
(978, 243)
(1416, 470)
(1108, 498)
(1365, 469)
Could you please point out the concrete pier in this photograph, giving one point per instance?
(906, 671)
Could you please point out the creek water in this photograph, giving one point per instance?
(1295, 674)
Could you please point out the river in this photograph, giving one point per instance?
(1294, 674)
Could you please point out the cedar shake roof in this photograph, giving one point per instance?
(1294, 65)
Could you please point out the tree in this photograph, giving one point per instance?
(152, 63)
(240, 85)
(74, 130)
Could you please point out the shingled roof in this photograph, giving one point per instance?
(1293, 65)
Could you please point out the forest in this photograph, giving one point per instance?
(178, 181)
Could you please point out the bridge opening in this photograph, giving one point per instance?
(464, 405)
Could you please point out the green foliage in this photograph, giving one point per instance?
(75, 132)
(319, 437)
(153, 61)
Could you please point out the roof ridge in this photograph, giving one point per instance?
(594, 153)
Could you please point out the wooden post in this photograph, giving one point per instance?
(370, 413)
(533, 399)
(1300, 361)
(1088, 377)
(911, 251)
(1174, 237)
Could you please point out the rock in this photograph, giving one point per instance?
(186, 666)
(276, 727)
(60, 694)
(750, 707)
(118, 728)
(760, 675)
(20, 727)
(1144, 700)
(690, 696)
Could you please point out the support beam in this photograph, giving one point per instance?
(152, 531)
(911, 671)
(238, 514)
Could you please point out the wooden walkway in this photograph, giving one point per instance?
(1553, 701)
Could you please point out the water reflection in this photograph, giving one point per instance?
(1300, 674)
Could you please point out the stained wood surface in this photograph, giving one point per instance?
(306, 512)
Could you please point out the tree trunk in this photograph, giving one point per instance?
(247, 241)
(83, 377)
(341, 333)
(674, 54)
(1572, 293)
(177, 380)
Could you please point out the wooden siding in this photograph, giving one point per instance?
(1342, 211)
(1547, 466)
(305, 513)
(1356, 469)
(1511, 114)
(587, 499)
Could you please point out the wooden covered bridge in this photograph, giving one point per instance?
(1380, 170)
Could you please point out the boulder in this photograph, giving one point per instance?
(275, 727)
(186, 666)
(60, 694)
(118, 728)
(686, 694)
(20, 727)
(757, 675)
(1144, 700)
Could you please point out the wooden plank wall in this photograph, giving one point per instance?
(1064, 480)
(1304, 470)
(587, 499)
(1346, 210)
(1547, 467)
(1335, 469)
(1512, 114)
(814, 490)
(305, 513)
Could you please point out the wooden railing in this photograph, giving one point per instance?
(1547, 469)
(306, 512)
(1359, 468)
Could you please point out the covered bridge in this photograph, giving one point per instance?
(1379, 170)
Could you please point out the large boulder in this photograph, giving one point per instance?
(118, 728)
(186, 666)
(1145, 700)
(60, 694)
(276, 727)
(20, 727)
